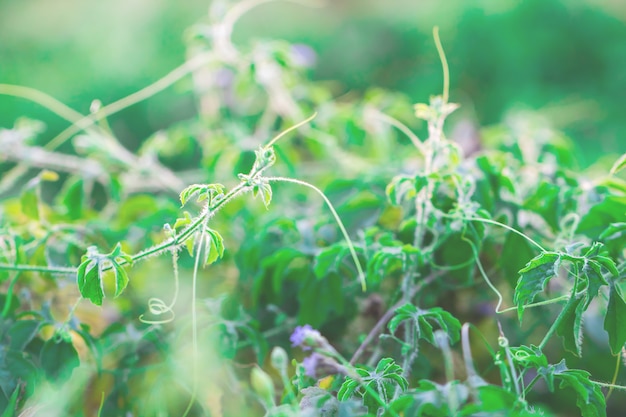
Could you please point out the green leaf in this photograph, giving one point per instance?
(203, 191)
(30, 201)
(329, 259)
(592, 272)
(183, 221)
(421, 320)
(389, 259)
(213, 246)
(121, 279)
(546, 202)
(570, 328)
(611, 209)
(404, 187)
(22, 332)
(493, 398)
(90, 281)
(58, 358)
(529, 356)
(319, 298)
(11, 408)
(615, 320)
(618, 165)
(589, 397)
(265, 189)
(534, 277)
(515, 252)
(614, 238)
(347, 389)
(73, 198)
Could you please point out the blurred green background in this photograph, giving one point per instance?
(563, 58)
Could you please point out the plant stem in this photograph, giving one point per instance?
(38, 268)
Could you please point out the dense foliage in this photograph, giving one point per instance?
(291, 253)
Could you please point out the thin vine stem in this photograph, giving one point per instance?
(497, 223)
(444, 64)
(344, 232)
(401, 127)
(194, 319)
(39, 268)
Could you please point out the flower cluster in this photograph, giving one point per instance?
(307, 338)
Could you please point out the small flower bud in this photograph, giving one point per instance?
(279, 359)
(263, 385)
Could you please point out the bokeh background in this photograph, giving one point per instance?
(564, 59)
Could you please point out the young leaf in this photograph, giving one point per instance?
(615, 320)
(188, 192)
(183, 221)
(90, 281)
(529, 356)
(121, 279)
(265, 189)
(203, 191)
(534, 277)
(213, 246)
(404, 187)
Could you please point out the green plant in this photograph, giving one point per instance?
(453, 245)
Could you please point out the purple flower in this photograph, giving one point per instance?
(306, 337)
(318, 365)
(310, 364)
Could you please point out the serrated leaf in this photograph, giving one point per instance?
(405, 312)
(589, 397)
(615, 320)
(618, 165)
(89, 281)
(592, 272)
(533, 279)
(422, 319)
(570, 328)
